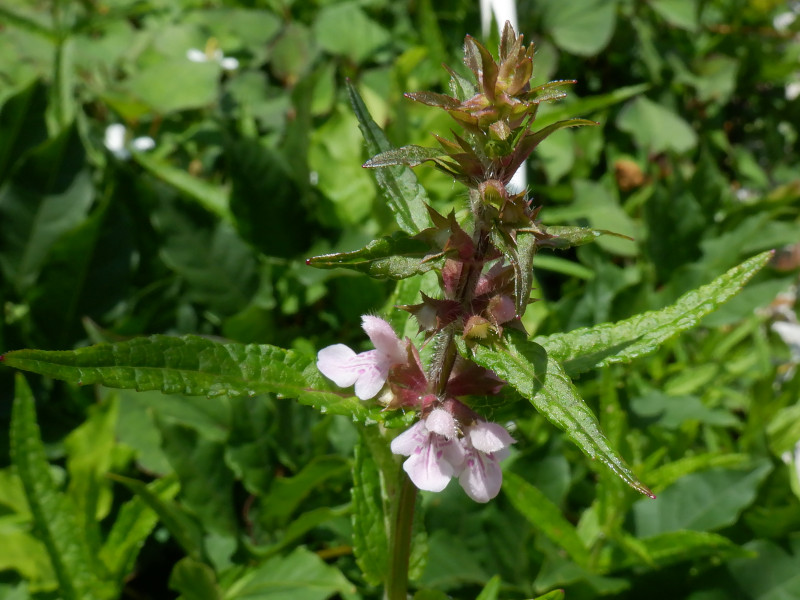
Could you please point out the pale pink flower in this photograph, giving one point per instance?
(485, 445)
(434, 453)
(367, 370)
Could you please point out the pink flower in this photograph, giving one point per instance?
(367, 370)
(434, 453)
(485, 445)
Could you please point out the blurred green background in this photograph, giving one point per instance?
(168, 166)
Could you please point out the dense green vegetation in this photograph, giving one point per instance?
(150, 184)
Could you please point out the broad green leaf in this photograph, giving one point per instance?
(186, 531)
(581, 27)
(194, 580)
(211, 197)
(23, 552)
(300, 526)
(206, 481)
(302, 575)
(248, 450)
(132, 526)
(681, 13)
(609, 343)
(387, 257)
(544, 516)
(371, 516)
(656, 128)
(22, 123)
(286, 493)
(405, 196)
(54, 514)
(773, 574)
(176, 84)
(28, 24)
(49, 193)
(701, 501)
(196, 366)
(538, 377)
(364, 35)
(678, 546)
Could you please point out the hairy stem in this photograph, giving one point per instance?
(400, 545)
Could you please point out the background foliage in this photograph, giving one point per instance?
(256, 168)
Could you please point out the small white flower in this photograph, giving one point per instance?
(116, 141)
(783, 21)
(226, 62)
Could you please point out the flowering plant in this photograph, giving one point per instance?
(429, 399)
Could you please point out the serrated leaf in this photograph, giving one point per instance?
(537, 376)
(567, 237)
(195, 366)
(134, 523)
(55, 516)
(582, 349)
(381, 258)
(545, 516)
(405, 196)
(186, 532)
(410, 156)
(370, 518)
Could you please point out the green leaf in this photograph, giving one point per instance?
(382, 258)
(589, 104)
(372, 509)
(679, 546)
(206, 481)
(668, 474)
(302, 575)
(134, 523)
(554, 595)
(581, 27)
(195, 366)
(537, 376)
(22, 122)
(655, 128)
(681, 13)
(211, 197)
(773, 574)
(700, 501)
(491, 591)
(609, 343)
(523, 269)
(194, 580)
(55, 516)
(49, 193)
(286, 493)
(544, 516)
(364, 36)
(186, 531)
(567, 237)
(404, 194)
(176, 84)
(410, 156)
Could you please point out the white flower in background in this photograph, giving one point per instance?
(226, 62)
(783, 21)
(116, 140)
(792, 90)
(504, 10)
(790, 334)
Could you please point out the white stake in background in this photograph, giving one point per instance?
(504, 10)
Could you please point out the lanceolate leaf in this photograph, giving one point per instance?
(410, 156)
(404, 194)
(393, 257)
(538, 377)
(567, 237)
(545, 516)
(609, 343)
(55, 516)
(194, 366)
